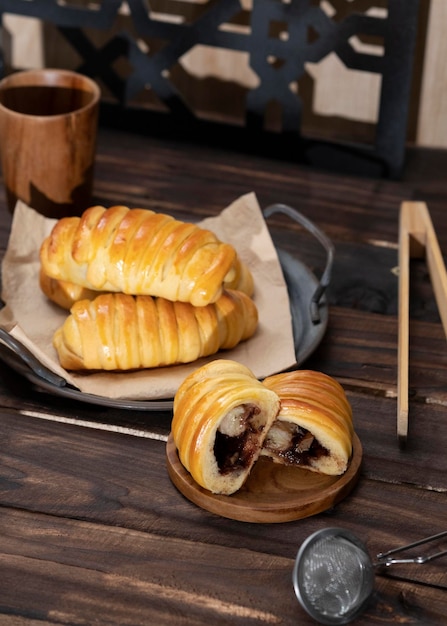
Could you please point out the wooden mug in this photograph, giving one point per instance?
(48, 128)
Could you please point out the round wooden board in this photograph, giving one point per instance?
(273, 492)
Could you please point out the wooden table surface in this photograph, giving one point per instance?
(92, 531)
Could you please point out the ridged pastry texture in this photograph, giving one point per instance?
(121, 332)
(314, 427)
(140, 252)
(65, 294)
(221, 416)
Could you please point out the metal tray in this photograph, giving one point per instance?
(308, 307)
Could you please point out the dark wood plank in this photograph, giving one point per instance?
(72, 572)
(360, 352)
(78, 572)
(143, 170)
(16, 392)
(344, 354)
(93, 531)
(119, 480)
(360, 349)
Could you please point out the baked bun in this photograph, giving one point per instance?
(314, 428)
(122, 332)
(63, 293)
(140, 252)
(221, 416)
(242, 279)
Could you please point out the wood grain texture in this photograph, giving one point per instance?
(118, 535)
(417, 238)
(62, 567)
(55, 177)
(92, 530)
(273, 493)
(123, 481)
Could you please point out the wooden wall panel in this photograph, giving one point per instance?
(333, 93)
(432, 121)
(26, 41)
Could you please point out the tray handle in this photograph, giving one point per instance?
(29, 359)
(322, 239)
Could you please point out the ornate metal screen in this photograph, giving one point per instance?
(144, 54)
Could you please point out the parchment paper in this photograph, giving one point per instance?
(32, 318)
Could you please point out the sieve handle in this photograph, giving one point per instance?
(385, 558)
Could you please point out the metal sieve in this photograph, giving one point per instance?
(333, 575)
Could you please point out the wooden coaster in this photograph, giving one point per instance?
(273, 492)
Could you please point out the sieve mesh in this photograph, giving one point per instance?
(336, 577)
(333, 575)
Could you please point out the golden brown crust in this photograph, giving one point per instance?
(221, 416)
(140, 252)
(243, 279)
(63, 293)
(123, 332)
(314, 426)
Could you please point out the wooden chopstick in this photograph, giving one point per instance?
(417, 238)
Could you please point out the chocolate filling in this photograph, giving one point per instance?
(303, 448)
(236, 453)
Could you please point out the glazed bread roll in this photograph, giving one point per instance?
(221, 416)
(63, 293)
(242, 280)
(314, 426)
(140, 252)
(121, 332)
